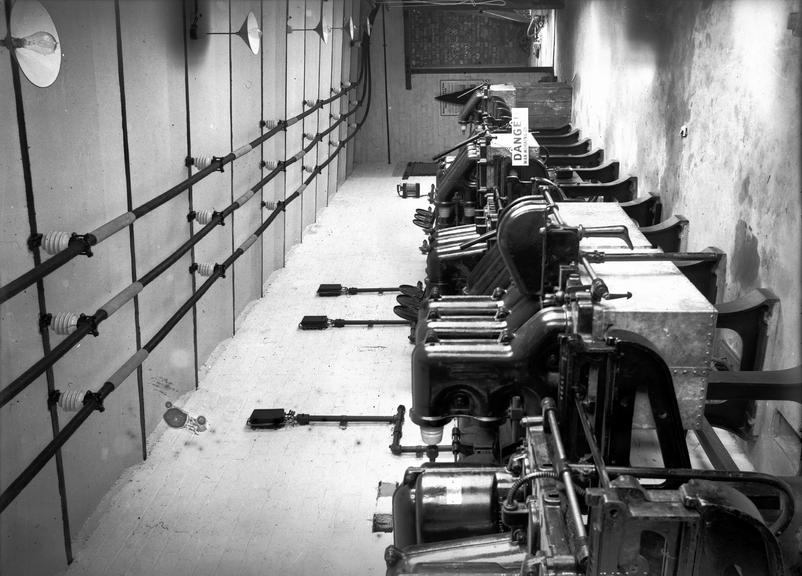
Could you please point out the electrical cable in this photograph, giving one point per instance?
(76, 244)
(94, 400)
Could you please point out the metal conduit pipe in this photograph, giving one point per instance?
(94, 400)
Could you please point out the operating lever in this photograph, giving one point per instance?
(621, 232)
(274, 418)
(598, 287)
(474, 138)
(600, 257)
(323, 322)
(479, 239)
(339, 290)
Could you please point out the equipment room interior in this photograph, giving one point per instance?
(431, 287)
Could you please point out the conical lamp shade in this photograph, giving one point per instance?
(250, 33)
(349, 26)
(323, 31)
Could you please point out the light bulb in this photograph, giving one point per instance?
(41, 42)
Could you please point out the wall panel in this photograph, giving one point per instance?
(345, 76)
(312, 49)
(324, 91)
(332, 71)
(200, 96)
(353, 67)
(274, 17)
(31, 525)
(294, 98)
(75, 129)
(209, 102)
(152, 35)
(246, 103)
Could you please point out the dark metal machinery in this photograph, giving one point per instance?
(583, 331)
(567, 499)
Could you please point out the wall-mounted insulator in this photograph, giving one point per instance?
(352, 125)
(64, 323)
(308, 169)
(269, 124)
(71, 400)
(269, 164)
(334, 143)
(345, 85)
(334, 91)
(269, 204)
(201, 162)
(309, 136)
(205, 268)
(204, 216)
(310, 103)
(334, 116)
(55, 241)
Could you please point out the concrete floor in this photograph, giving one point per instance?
(300, 500)
(231, 500)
